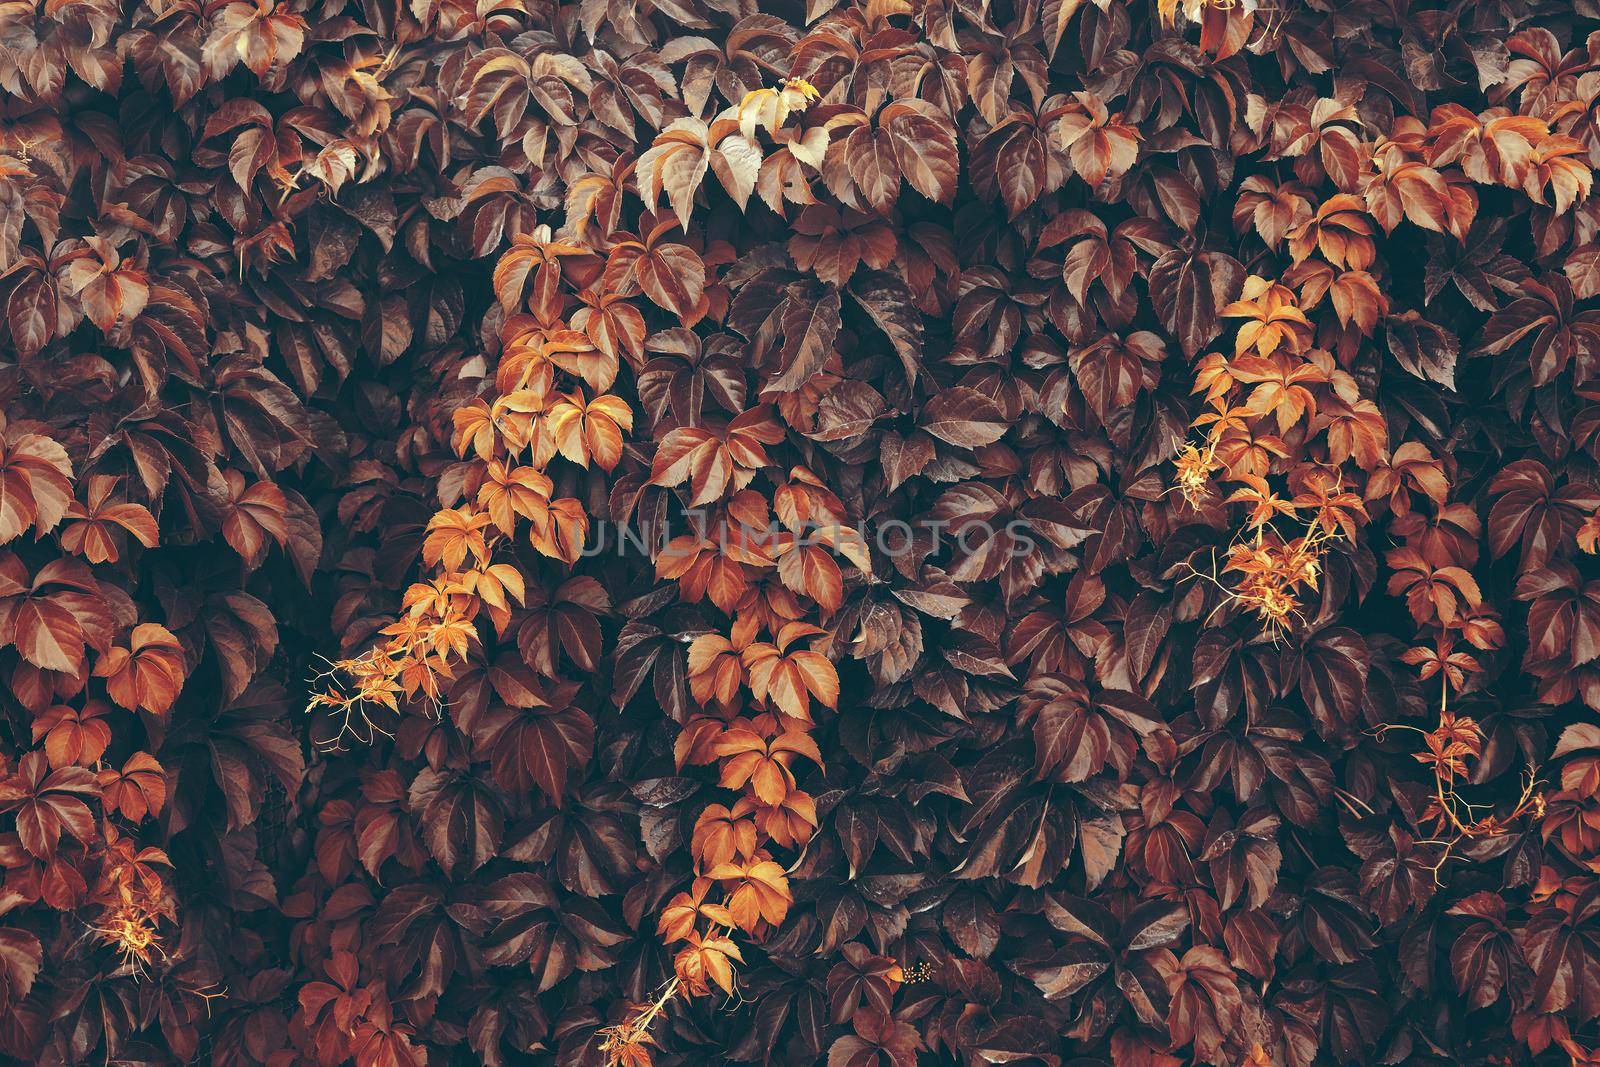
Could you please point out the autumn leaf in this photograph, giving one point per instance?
(149, 673)
(1098, 144)
(964, 418)
(791, 679)
(758, 892)
(591, 429)
(94, 527)
(713, 461)
(765, 765)
(723, 835)
(73, 736)
(453, 534)
(682, 915)
(35, 485)
(254, 514)
(137, 790)
(672, 275)
(707, 960)
(49, 803)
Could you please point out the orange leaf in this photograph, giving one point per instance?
(139, 789)
(148, 674)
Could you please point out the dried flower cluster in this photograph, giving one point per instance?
(851, 533)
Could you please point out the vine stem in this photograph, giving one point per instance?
(623, 1042)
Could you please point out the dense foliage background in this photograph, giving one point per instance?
(896, 532)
